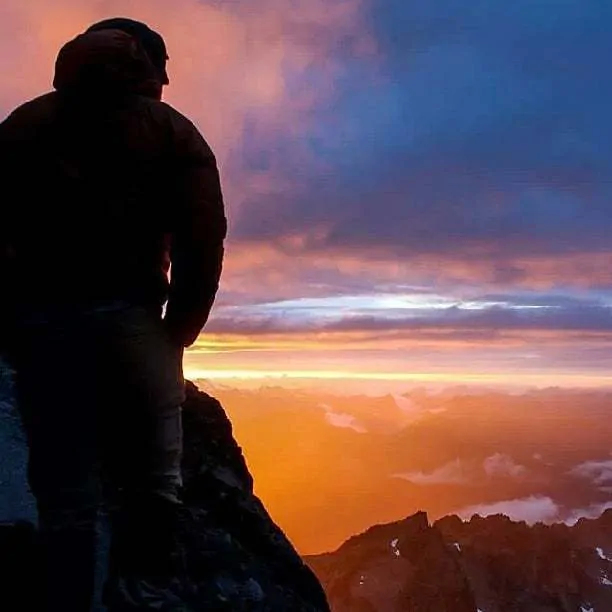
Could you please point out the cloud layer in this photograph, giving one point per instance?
(533, 509)
(377, 155)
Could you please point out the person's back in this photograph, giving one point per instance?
(110, 186)
(91, 212)
(101, 169)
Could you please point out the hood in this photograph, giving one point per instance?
(107, 61)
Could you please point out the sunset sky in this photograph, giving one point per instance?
(416, 189)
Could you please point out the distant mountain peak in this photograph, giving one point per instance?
(490, 564)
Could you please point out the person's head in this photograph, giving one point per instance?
(114, 55)
(151, 41)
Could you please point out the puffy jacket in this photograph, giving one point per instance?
(103, 186)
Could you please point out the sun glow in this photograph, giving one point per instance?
(581, 380)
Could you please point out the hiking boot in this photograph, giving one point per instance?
(146, 567)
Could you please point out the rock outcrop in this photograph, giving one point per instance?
(235, 553)
(487, 564)
(400, 566)
(236, 557)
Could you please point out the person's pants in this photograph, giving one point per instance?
(100, 393)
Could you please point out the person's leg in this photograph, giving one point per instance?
(54, 398)
(144, 461)
(145, 494)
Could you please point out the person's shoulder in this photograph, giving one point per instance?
(30, 113)
(35, 105)
(184, 133)
(176, 117)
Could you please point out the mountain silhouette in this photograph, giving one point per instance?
(487, 564)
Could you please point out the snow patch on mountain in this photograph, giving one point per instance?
(394, 547)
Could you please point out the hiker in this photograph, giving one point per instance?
(106, 190)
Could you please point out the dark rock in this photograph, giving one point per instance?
(19, 560)
(400, 566)
(513, 567)
(16, 501)
(236, 558)
(236, 555)
(491, 564)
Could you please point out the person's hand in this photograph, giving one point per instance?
(179, 334)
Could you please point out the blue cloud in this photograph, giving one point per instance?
(479, 124)
(481, 315)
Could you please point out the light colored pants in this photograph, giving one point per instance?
(100, 393)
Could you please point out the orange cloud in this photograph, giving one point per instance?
(460, 340)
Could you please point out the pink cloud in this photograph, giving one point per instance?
(450, 473)
(599, 472)
(227, 60)
(533, 509)
(593, 511)
(503, 465)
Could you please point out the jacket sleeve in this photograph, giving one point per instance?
(199, 228)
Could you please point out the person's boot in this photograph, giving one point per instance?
(146, 569)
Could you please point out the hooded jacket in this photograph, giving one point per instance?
(104, 186)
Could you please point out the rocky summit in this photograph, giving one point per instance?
(236, 558)
(487, 564)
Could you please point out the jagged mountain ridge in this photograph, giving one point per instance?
(487, 564)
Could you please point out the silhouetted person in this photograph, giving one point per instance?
(103, 187)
